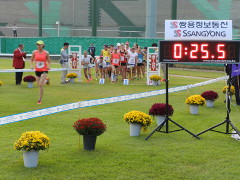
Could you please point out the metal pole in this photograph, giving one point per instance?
(174, 10)
(58, 28)
(151, 18)
(40, 19)
(167, 117)
(94, 17)
(73, 14)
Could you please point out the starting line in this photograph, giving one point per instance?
(96, 102)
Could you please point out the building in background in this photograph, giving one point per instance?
(114, 18)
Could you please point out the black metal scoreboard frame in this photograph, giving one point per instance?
(199, 51)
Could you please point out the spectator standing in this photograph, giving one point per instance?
(19, 62)
(92, 50)
(234, 69)
(64, 62)
(14, 30)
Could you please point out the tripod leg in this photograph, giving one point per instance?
(196, 136)
(209, 129)
(234, 128)
(158, 128)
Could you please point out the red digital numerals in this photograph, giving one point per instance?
(199, 51)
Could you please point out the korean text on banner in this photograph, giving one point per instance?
(198, 29)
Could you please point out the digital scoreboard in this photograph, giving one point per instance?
(188, 51)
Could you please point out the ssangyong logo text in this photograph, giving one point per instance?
(199, 28)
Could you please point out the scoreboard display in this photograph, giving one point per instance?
(219, 52)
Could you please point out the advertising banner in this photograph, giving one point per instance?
(198, 29)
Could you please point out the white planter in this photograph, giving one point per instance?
(155, 83)
(30, 158)
(160, 119)
(135, 129)
(30, 84)
(209, 103)
(194, 108)
(71, 80)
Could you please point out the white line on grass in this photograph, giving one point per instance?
(96, 102)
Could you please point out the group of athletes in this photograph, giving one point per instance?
(113, 61)
(117, 60)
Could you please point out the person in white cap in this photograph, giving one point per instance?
(118, 46)
(42, 64)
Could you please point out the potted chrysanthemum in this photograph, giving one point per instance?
(160, 111)
(194, 102)
(71, 76)
(155, 80)
(90, 128)
(29, 79)
(138, 120)
(210, 97)
(30, 143)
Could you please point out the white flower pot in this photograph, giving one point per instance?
(30, 84)
(160, 119)
(71, 80)
(30, 158)
(155, 83)
(194, 108)
(209, 103)
(135, 129)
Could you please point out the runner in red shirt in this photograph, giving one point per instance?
(41, 59)
(115, 62)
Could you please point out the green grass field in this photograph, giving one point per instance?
(117, 155)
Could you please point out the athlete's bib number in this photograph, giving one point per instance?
(39, 64)
(131, 61)
(106, 58)
(115, 61)
(122, 58)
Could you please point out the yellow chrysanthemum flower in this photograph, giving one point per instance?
(32, 140)
(71, 75)
(155, 78)
(195, 99)
(232, 90)
(138, 117)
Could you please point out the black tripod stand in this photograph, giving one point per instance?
(227, 121)
(167, 119)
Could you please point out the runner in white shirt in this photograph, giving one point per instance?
(85, 61)
(132, 62)
(102, 66)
